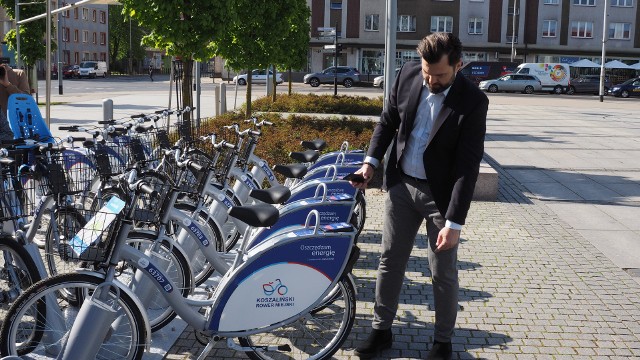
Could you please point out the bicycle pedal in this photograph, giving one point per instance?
(203, 338)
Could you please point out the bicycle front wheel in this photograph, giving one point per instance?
(17, 272)
(39, 321)
(318, 335)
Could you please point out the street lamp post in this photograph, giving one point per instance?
(604, 41)
(513, 30)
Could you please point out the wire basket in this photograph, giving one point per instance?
(148, 209)
(17, 197)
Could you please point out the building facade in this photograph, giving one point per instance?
(82, 34)
(536, 30)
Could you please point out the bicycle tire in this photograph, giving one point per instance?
(159, 312)
(200, 266)
(305, 337)
(20, 320)
(14, 260)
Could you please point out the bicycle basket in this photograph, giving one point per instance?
(147, 208)
(88, 235)
(17, 198)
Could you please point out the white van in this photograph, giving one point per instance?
(92, 69)
(554, 77)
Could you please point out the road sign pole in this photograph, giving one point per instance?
(335, 63)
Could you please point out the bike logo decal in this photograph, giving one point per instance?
(156, 274)
(245, 179)
(279, 299)
(225, 201)
(198, 233)
(267, 171)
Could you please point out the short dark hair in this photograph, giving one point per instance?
(437, 44)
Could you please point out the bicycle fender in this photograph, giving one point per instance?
(122, 287)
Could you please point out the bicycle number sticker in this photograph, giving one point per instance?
(92, 231)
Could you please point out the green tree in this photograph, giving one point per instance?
(257, 37)
(124, 32)
(32, 34)
(183, 29)
(293, 54)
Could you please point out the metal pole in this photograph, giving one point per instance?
(17, 35)
(513, 30)
(59, 55)
(390, 47)
(198, 93)
(604, 41)
(48, 66)
(335, 62)
(130, 49)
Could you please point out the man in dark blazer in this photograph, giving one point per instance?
(435, 122)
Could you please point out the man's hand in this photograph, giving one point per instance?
(367, 172)
(447, 239)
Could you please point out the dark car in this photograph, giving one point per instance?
(628, 88)
(588, 84)
(70, 71)
(346, 75)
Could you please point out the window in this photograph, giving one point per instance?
(94, 16)
(103, 56)
(94, 38)
(406, 23)
(551, 2)
(85, 36)
(620, 31)
(76, 57)
(372, 22)
(75, 35)
(65, 34)
(582, 29)
(103, 38)
(85, 56)
(336, 5)
(103, 17)
(549, 28)
(475, 26)
(584, 2)
(75, 13)
(85, 14)
(442, 24)
(623, 3)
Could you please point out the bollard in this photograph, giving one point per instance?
(223, 98)
(216, 94)
(107, 110)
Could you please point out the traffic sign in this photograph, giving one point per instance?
(329, 29)
(330, 47)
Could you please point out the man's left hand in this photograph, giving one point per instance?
(447, 239)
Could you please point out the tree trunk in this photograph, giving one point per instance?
(187, 92)
(290, 82)
(248, 98)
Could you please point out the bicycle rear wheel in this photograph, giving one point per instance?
(27, 332)
(318, 335)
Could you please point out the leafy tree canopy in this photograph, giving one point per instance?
(32, 34)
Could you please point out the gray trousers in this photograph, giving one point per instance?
(407, 205)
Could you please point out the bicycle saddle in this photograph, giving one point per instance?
(305, 156)
(255, 215)
(317, 144)
(277, 194)
(297, 171)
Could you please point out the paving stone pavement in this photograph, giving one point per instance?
(530, 288)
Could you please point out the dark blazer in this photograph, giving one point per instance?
(456, 142)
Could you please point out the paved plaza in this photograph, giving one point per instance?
(548, 271)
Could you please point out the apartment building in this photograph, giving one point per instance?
(537, 30)
(83, 33)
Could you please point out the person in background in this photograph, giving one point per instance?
(435, 122)
(151, 72)
(11, 82)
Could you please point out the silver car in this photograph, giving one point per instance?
(346, 75)
(524, 83)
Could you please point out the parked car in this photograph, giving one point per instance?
(588, 84)
(512, 82)
(628, 88)
(258, 76)
(378, 81)
(347, 76)
(70, 71)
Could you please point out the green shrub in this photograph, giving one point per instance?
(324, 104)
(279, 140)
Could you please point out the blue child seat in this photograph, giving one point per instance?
(25, 119)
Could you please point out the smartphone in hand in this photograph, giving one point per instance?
(356, 178)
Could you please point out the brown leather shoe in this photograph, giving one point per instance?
(440, 351)
(377, 341)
